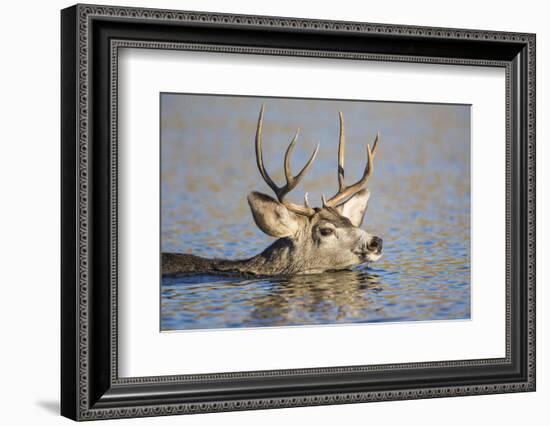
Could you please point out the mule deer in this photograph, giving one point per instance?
(310, 240)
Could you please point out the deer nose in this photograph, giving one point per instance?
(375, 244)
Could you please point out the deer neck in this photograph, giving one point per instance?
(278, 259)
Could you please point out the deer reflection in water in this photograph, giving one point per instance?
(330, 297)
(208, 302)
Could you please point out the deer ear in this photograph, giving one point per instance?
(272, 217)
(354, 208)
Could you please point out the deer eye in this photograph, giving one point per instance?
(325, 232)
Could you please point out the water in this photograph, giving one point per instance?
(420, 206)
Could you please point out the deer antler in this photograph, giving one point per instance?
(291, 181)
(345, 192)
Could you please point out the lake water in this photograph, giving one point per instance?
(420, 206)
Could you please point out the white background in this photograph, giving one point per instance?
(29, 225)
(141, 345)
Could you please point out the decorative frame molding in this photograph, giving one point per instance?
(91, 37)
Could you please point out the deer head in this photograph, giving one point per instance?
(316, 239)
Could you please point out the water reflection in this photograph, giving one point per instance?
(331, 297)
(354, 296)
(328, 297)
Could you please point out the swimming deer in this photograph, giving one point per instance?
(310, 240)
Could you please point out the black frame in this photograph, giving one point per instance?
(91, 37)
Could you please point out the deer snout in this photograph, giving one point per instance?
(375, 245)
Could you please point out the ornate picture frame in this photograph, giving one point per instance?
(91, 38)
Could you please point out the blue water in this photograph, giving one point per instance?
(420, 206)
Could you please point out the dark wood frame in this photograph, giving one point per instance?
(91, 37)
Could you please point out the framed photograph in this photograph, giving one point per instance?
(263, 212)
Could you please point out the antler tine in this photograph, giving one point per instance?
(375, 144)
(291, 181)
(259, 154)
(306, 201)
(344, 191)
(341, 152)
(288, 153)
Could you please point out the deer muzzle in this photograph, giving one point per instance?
(375, 245)
(370, 250)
